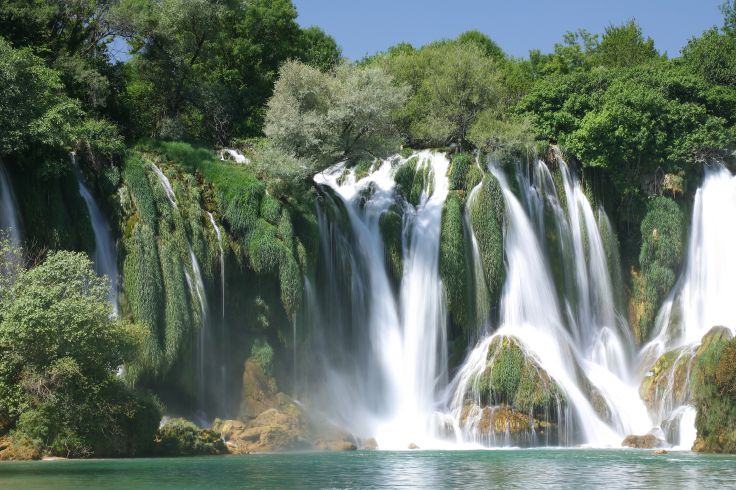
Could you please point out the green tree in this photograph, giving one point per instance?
(323, 118)
(59, 351)
(625, 46)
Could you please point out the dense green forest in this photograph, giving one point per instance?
(205, 75)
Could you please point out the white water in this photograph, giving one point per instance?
(553, 331)
(9, 216)
(166, 184)
(396, 400)
(234, 155)
(105, 254)
(703, 296)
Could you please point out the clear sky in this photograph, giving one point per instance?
(363, 27)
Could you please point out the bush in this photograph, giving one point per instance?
(179, 437)
(59, 352)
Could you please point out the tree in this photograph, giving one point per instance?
(323, 118)
(451, 83)
(713, 56)
(59, 351)
(625, 46)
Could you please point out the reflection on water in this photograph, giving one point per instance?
(532, 468)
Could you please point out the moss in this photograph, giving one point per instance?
(514, 378)
(406, 152)
(291, 285)
(362, 169)
(140, 188)
(422, 184)
(265, 250)
(673, 365)
(143, 284)
(270, 209)
(178, 319)
(404, 176)
(390, 224)
(262, 353)
(487, 217)
(453, 260)
(473, 177)
(461, 163)
(663, 237)
(713, 398)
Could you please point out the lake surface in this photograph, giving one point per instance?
(528, 468)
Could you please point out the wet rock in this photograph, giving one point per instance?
(668, 380)
(661, 451)
(647, 441)
(413, 446)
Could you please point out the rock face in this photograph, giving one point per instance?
(668, 380)
(647, 441)
(259, 391)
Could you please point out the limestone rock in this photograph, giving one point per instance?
(273, 430)
(259, 391)
(369, 444)
(413, 446)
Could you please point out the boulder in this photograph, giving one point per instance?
(413, 446)
(369, 444)
(647, 441)
(504, 425)
(273, 430)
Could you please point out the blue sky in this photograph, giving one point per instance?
(363, 27)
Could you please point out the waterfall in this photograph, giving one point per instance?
(701, 299)
(9, 216)
(482, 294)
(389, 388)
(575, 334)
(197, 292)
(105, 254)
(218, 233)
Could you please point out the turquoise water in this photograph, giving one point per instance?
(532, 468)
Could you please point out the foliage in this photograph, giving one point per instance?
(179, 437)
(487, 212)
(262, 353)
(450, 84)
(453, 260)
(60, 350)
(461, 163)
(711, 380)
(327, 117)
(513, 377)
(390, 224)
(663, 239)
(713, 56)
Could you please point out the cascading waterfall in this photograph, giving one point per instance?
(197, 291)
(702, 297)
(578, 334)
(105, 254)
(218, 233)
(390, 389)
(9, 216)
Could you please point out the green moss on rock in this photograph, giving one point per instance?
(453, 261)
(487, 217)
(391, 232)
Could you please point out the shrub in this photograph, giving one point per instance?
(179, 437)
